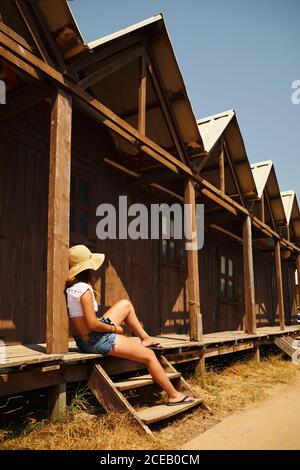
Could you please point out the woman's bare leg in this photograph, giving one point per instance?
(123, 311)
(127, 349)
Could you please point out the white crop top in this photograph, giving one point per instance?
(74, 294)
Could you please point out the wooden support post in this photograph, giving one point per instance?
(200, 366)
(142, 95)
(58, 223)
(279, 285)
(249, 316)
(257, 353)
(57, 401)
(196, 331)
(222, 168)
(298, 268)
(262, 208)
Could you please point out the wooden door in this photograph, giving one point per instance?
(174, 318)
(230, 288)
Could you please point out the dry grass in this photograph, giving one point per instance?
(224, 391)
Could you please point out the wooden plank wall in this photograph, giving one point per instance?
(289, 292)
(132, 267)
(23, 225)
(265, 288)
(218, 315)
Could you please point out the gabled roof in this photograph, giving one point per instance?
(212, 127)
(261, 173)
(160, 49)
(266, 180)
(292, 212)
(225, 125)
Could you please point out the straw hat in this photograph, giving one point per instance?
(81, 258)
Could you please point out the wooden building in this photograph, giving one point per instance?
(86, 123)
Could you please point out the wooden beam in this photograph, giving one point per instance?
(15, 36)
(262, 208)
(249, 315)
(50, 39)
(157, 82)
(112, 65)
(219, 200)
(270, 210)
(226, 232)
(222, 168)
(234, 176)
(32, 26)
(142, 95)
(129, 172)
(23, 98)
(196, 330)
(280, 308)
(58, 223)
(99, 55)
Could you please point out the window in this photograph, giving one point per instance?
(227, 278)
(80, 207)
(169, 245)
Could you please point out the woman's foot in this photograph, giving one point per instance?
(180, 399)
(149, 342)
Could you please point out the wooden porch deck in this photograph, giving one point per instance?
(20, 356)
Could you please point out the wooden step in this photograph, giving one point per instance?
(160, 412)
(141, 381)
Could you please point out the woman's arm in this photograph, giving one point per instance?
(92, 321)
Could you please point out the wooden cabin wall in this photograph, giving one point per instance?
(265, 288)
(24, 160)
(219, 314)
(133, 268)
(289, 292)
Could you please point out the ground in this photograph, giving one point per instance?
(273, 424)
(227, 389)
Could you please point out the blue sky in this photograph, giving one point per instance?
(233, 54)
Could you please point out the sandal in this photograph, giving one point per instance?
(185, 400)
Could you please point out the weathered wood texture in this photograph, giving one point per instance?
(196, 331)
(24, 174)
(250, 317)
(219, 314)
(289, 292)
(278, 270)
(58, 223)
(265, 288)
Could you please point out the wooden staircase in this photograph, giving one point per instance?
(112, 394)
(289, 346)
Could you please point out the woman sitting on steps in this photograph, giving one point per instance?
(105, 335)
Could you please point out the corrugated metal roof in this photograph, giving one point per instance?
(261, 173)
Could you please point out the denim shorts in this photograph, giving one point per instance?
(98, 343)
